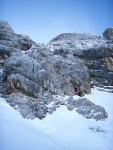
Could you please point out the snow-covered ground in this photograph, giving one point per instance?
(63, 129)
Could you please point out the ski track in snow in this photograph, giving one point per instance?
(63, 129)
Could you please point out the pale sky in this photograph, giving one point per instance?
(42, 20)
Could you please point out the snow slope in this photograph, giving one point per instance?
(17, 133)
(62, 130)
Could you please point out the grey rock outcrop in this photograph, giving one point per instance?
(9, 38)
(34, 75)
(57, 75)
(27, 106)
(108, 33)
(87, 109)
(95, 51)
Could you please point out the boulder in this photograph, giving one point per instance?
(86, 108)
(108, 33)
(89, 110)
(52, 109)
(40, 110)
(27, 106)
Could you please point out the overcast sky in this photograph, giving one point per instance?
(42, 20)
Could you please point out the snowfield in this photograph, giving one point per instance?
(63, 130)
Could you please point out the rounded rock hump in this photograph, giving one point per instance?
(77, 41)
(108, 33)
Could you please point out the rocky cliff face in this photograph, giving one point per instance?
(34, 75)
(96, 52)
(38, 70)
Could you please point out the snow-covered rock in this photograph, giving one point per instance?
(9, 38)
(108, 33)
(89, 110)
(38, 71)
(95, 51)
(58, 69)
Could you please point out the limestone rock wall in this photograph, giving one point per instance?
(34, 75)
(96, 52)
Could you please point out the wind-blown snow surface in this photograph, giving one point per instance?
(62, 130)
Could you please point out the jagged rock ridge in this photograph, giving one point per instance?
(43, 73)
